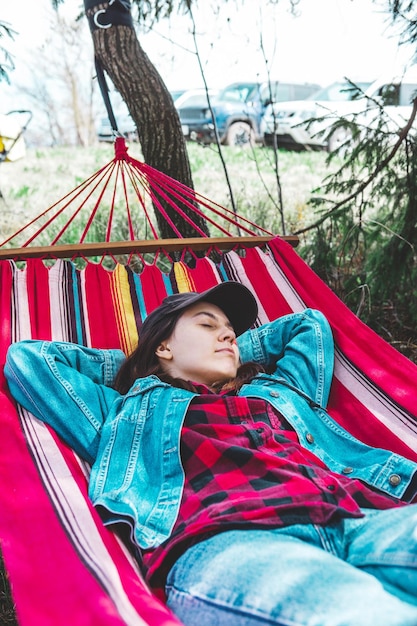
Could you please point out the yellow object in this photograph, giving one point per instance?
(12, 143)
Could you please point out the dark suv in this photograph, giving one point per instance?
(238, 110)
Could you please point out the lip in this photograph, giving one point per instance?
(227, 350)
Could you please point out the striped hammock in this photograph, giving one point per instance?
(65, 567)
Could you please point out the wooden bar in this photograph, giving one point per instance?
(141, 246)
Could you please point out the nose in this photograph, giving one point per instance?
(228, 334)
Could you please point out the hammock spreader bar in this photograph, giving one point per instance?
(137, 247)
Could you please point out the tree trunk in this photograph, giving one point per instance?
(148, 100)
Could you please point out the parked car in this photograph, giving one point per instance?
(308, 124)
(396, 96)
(177, 93)
(238, 110)
(193, 108)
(125, 124)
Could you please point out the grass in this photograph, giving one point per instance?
(34, 183)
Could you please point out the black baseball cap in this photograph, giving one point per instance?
(235, 300)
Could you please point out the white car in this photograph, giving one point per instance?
(291, 121)
(125, 126)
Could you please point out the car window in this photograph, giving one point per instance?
(396, 94)
(408, 92)
(390, 94)
(303, 91)
(282, 92)
(340, 92)
(176, 94)
(195, 98)
(238, 93)
(195, 101)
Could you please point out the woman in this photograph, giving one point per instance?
(248, 503)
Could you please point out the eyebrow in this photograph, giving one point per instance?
(214, 317)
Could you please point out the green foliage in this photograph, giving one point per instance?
(6, 61)
(7, 614)
(404, 14)
(363, 243)
(156, 9)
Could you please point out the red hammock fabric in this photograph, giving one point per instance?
(64, 566)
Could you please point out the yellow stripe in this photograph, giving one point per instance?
(123, 307)
(183, 277)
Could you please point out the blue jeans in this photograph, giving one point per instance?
(356, 572)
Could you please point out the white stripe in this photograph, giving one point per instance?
(75, 516)
(21, 315)
(59, 313)
(235, 266)
(86, 318)
(376, 401)
(293, 299)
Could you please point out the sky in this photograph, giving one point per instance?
(326, 40)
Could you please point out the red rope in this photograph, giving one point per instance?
(95, 208)
(134, 178)
(113, 184)
(72, 193)
(129, 215)
(110, 220)
(181, 191)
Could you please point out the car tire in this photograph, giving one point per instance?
(240, 134)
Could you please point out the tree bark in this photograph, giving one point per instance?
(149, 102)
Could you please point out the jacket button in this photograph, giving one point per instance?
(347, 470)
(310, 438)
(394, 480)
(274, 394)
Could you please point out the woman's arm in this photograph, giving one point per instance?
(299, 347)
(65, 385)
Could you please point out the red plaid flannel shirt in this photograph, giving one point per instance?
(244, 468)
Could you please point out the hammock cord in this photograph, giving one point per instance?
(118, 204)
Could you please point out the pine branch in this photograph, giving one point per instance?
(381, 165)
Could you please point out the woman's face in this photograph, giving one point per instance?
(202, 347)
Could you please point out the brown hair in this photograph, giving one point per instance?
(143, 361)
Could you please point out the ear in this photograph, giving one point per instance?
(163, 351)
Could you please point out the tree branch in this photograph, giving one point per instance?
(382, 164)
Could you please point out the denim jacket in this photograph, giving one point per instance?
(133, 441)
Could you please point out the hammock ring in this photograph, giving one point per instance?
(97, 23)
